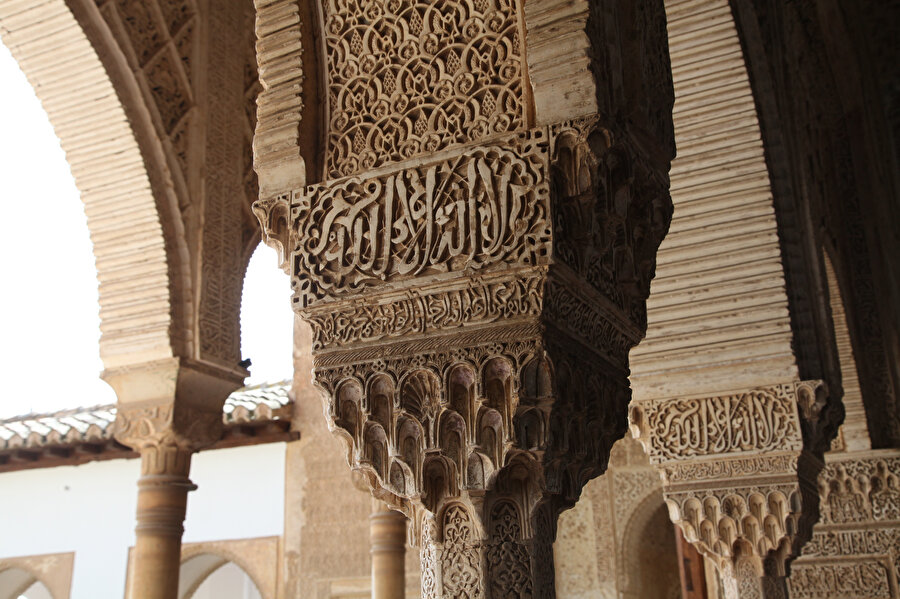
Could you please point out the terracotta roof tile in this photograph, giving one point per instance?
(259, 403)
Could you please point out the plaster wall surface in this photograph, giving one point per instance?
(89, 510)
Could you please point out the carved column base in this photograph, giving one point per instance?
(162, 502)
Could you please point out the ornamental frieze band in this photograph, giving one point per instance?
(480, 207)
(756, 420)
(484, 300)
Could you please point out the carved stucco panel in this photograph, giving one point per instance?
(480, 207)
(855, 550)
(754, 421)
(408, 77)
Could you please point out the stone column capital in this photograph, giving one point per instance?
(474, 260)
(165, 426)
(471, 329)
(739, 473)
(174, 403)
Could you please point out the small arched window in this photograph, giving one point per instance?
(267, 321)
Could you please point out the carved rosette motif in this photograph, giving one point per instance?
(738, 475)
(473, 283)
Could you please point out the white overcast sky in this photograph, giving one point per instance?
(49, 316)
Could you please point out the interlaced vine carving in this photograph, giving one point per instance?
(461, 570)
(411, 76)
(508, 559)
(429, 560)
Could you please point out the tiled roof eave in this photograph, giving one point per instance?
(256, 414)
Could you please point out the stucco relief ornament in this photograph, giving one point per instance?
(473, 284)
(166, 434)
(415, 77)
(445, 342)
(739, 476)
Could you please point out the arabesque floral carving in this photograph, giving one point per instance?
(409, 76)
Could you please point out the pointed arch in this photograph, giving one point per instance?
(204, 571)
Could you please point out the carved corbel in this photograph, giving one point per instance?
(274, 219)
(738, 476)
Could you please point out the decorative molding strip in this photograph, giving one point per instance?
(483, 301)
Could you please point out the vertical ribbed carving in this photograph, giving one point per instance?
(279, 51)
